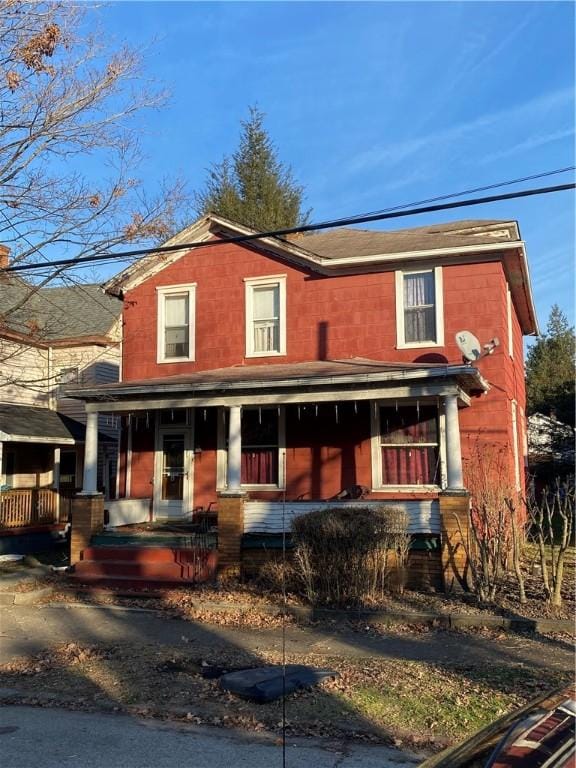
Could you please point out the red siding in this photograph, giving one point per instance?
(327, 317)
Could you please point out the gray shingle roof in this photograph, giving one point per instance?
(346, 241)
(58, 313)
(42, 423)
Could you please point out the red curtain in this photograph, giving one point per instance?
(260, 466)
(409, 465)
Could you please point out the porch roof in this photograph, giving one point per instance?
(27, 424)
(354, 378)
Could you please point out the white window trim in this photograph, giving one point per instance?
(162, 292)
(375, 444)
(222, 453)
(401, 343)
(510, 327)
(249, 284)
(515, 451)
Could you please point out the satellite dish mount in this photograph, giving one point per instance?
(471, 348)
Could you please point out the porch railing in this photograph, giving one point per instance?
(28, 506)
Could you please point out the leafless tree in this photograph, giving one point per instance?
(552, 521)
(68, 149)
(495, 532)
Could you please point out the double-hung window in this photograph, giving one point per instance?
(407, 445)
(266, 316)
(176, 323)
(263, 448)
(419, 310)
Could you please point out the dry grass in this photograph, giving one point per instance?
(413, 703)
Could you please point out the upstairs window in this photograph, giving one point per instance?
(67, 377)
(266, 316)
(408, 445)
(176, 323)
(419, 310)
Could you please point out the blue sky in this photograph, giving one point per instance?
(374, 104)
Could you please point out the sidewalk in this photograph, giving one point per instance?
(30, 629)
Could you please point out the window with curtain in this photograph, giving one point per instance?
(176, 325)
(419, 295)
(265, 316)
(409, 445)
(259, 446)
(176, 311)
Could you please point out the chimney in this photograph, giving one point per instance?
(4, 256)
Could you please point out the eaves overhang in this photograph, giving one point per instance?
(466, 378)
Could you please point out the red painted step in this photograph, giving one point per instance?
(141, 554)
(149, 565)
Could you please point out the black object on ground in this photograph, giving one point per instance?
(265, 684)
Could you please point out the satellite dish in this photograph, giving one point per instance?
(469, 345)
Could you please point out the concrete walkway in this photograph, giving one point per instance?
(32, 738)
(29, 629)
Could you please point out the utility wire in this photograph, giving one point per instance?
(296, 230)
(472, 190)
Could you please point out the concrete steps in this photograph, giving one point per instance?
(150, 565)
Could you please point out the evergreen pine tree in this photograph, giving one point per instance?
(253, 187)
(550, 370)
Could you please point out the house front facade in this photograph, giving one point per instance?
(287, 373)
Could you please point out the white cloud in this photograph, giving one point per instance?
(525, 114)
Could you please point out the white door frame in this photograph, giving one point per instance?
(163, 509)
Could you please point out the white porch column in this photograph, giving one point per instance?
(2, 478)
(453, 450)
(234, 448)
(89, 486)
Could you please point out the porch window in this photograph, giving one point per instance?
(263, 447)
(266, 316)
(419, 313)
(260, 447)
(176, 323)
(409, 445)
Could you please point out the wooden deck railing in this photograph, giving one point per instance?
(28, 506)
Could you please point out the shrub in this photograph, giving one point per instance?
(342, 556)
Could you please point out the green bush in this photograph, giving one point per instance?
(343, 556)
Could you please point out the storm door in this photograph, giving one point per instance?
(173, 472)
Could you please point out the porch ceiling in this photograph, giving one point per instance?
(352, 379)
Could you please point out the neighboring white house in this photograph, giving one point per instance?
(549, 440)
(50, 339)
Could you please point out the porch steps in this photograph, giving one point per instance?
(148, 565)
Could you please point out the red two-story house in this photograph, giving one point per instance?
(267, 376)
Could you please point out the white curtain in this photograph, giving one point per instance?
(176, 311)
(266, 302)
(419, 309)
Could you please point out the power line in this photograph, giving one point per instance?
(473, 190)
(296, 230)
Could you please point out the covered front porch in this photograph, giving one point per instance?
(41, 466)
(260, 444)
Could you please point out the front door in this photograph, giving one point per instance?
(173, 473)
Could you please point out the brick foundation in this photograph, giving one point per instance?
(87, 520)
(230, 531)
(455, 531)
